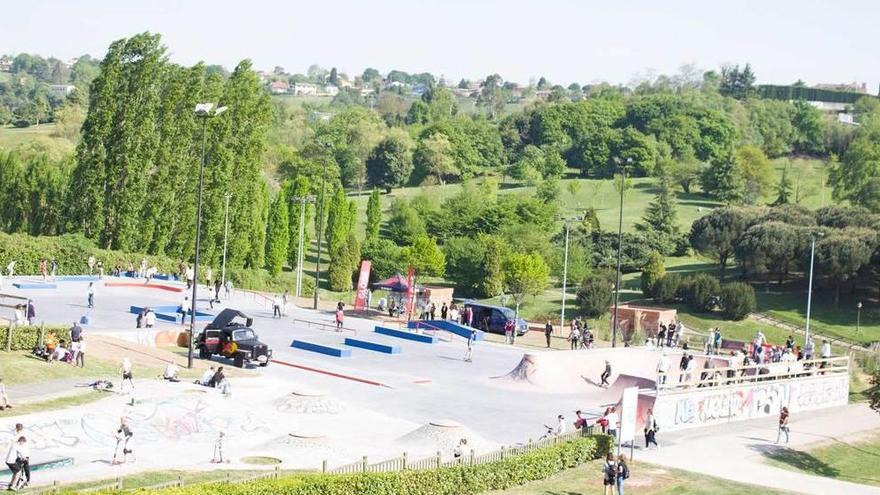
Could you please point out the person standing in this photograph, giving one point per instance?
(783, 425)
(91, 262)
(613, 420)
(661, 335)
(472, 339)
(53, 267)
(13, 463)
(650, 430)
(276, 306)
(609, 474)
(142, 271)
(91, 294)
(44, 269)
(508, 330)
(218, 448)
(80, 358)
(606, 374)
(340, 316)
(31, 312)
(127, 378)
(123, 437)
(622, 473)
(444, 311)
(150, 318)
(217, 286)
(183, 309)
(209, 275)
(789, 343)
(662, 369)
(227, 287)
(548, 332)
(574, 337)
(100, 267)
(809, 347)
(825, 353)
(4, 397)
(285, 298)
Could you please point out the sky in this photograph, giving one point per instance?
(567, 41)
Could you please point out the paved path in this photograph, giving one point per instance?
(736, 451)
(45, 390)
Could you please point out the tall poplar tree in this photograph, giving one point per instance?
(278, 233)
(374, 215)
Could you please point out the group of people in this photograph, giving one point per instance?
(580, 336)
(71, 351)
(24, 314)
(668, 335)
(48, 268)
(279, 303)
(146, 318)
(215, 378)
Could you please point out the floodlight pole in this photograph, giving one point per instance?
(225, 236)
(813, 236)
(301, 242)
(616, 319)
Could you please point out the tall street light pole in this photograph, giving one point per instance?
(616, 319)
(226, 196)
(813, 237)
(566, 224)
(204, 111)
(302, 200)
(858, 317)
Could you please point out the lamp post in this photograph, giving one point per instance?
(616, 319)
(203, 111)
(858, 316)
(302, 200)
(813, 236)
(226, 196)
(565, 271)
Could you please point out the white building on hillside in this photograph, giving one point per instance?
(304, 89)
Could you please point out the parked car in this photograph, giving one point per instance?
(230, 335)
(492, 319)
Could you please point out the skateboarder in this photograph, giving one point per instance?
(470, 345)
(606, 374)
(123, 436)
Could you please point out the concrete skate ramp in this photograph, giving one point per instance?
(579, 371)
(612, 394)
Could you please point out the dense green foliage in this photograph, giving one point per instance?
(737, 300)
(460, 480)
(594, 294)
(25, 338)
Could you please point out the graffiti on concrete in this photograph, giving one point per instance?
(756, 400)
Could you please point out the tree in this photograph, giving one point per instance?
(660, 221)
(524, 275)
(278, 235)
(702, 292)
(425, 257)
(737, 300)
(298, 188)
(769, 247)
(667, 289)
(724, 180)
(839, 257)
(783, 189)
(855, 177)
(715, 234)
(807, 123)
(343, 262)
(390, 163)
(433, 158)
(492, 97)
(757, 172)
(374, 216)
(685, 173)
(405, 224)
(652, 274)
(595, 292)
(334, 77)
(337, 227)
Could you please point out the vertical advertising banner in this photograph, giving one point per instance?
(629, 406)
(410, 292)
(360, 301)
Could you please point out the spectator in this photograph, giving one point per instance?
(127, 377)
(218, 377)
(76, 332)
(340, 316)
(560, 425)
(285, 298)
(91, 294)
(444, 311)
(24, 457)
(206, 377)
(149, 318)
(548, 332)
(13, 463)
(79, 358)
(580, 422)
(613, 420)
(574, 336)
(276, 306)
(472, 338)
(31, 312)
(783, 425)
(825, 352)
(789, 343)
(650, 429)
(218, 448)
(662, 369)
(91, 262)
(661, 335)
(622, 473)
(172, 372)
(458, 451)
(609, 474)
(59, 354)
(53, 267)
(4, 398)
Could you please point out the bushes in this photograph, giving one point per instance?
(737, 300)
(667, 289)
(536, 465)
(594, 294)
(651, 275)
(27, 337)
(702, 291)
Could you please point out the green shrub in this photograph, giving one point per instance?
(652, 274)
(462, 480)
(27, 337)
(667, 288)
(737, 300)
(594, 294)
(702, 289)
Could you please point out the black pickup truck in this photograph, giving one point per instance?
(230, 335)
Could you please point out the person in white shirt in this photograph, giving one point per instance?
(79, 359)
(662, 369)
(276, 306)
(560, 425)
(825, 350)
(206, 377)
(10, 269)
(24, 458)
(91, 294)
(127, 378)
(171, 372)
(150, 318)
(59, 354)
(458, 451)
(13, 463)
(4, 398)
(613, 420)
(689, 370)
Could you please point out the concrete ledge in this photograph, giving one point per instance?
(33, 285)
(142, 285)
(402, 334)
(321, 349)
(372, 346)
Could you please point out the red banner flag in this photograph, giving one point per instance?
(410, 292)
(363, 292)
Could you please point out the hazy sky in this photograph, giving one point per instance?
(565, 40)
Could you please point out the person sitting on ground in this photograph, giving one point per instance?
(171, 372)
(60, 353)
(218, 377)
(206, 377)
(458, 451)
(4, 398)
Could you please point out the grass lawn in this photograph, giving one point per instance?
(53, 404)
(644, 479)
(10, 137)
(854, 461)
(21, 367)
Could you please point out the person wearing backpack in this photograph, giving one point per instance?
(609, 474)
(622, 473)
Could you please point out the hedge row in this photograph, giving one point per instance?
(27, 337)
(463, 480)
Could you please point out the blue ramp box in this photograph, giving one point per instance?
(33, 285)
(447, 325)
(372, 346)
(321, 349)
(402, 334)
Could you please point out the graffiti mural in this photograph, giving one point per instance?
(702, 407)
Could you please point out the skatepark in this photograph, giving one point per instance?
(374, 389)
